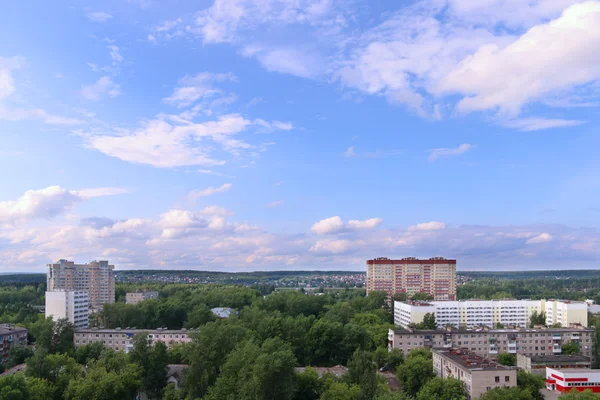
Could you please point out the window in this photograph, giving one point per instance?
(497, 379)
(507, 379)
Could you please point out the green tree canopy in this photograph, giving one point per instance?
(571, 348)
(415, 373)
(512, 393)
(442, 389)
(507, 359)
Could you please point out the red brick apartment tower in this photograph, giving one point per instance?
(436, 276)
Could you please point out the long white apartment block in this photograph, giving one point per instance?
(474, 313)
(70, 304)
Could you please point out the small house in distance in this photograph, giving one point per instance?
(223, 312)
(136, 297)
(537, 364)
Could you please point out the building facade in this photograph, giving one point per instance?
(565, 380)
(478, 373)
(96, 277)
(491, 342)
(122, 339)
(10, 336)
(70, 304)
(435, 276)
(136, 297)
(538, 364)
(475, 313)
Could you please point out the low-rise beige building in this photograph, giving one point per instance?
(122, 339)
(538, 364)
(478, 373)
(136, 297)
(491, 342)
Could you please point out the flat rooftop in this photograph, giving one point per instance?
(487, 330)
(560, 358)
(7, 329)
(470, 360)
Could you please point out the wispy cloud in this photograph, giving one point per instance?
(99, 16)
(447, 152)
(536, 124)
(209, 191)
(103, 86)
(275, 203)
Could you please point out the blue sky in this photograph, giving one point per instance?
(308, 134)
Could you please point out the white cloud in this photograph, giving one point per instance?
(366, 224)
(508, 77)
(446, 152)
(333, 246)
(428, 226)
(350, 152)
(44, 203)
(165, 145)
(541, 238)
(328, 226)
(209, 191)
(273, 125)
(428, 53)
(115, 54)
(20, 114)
(99, 16)
(287, 60)
(102, 191)
(104, 86)
(194, 88)
(275, 203)
(536, 124)
(336, 225)
(225, 19)
(47, 203)
(8, 88)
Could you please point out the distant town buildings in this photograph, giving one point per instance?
(70, 304)
(474, 313)
(538, 364)
(10, 336)
(122, 339)
(491, 342)
(95, 277)
(435, 276)
(565, 380)
(478, 373)
(136, 297)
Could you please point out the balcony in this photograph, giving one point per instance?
(556, 349)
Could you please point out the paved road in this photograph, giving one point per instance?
(550, 394)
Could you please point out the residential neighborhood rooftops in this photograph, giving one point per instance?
(470, 360)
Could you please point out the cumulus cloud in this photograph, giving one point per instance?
(47, 203)
(350, 152)
(336, 225)
(366, 224)
(103, 86)
(541, 238)
(446, 152)
(99, 16)
(428, 226)
(427, 53)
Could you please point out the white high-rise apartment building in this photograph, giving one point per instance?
(96, 277)
(70, 304)
(474, 313)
